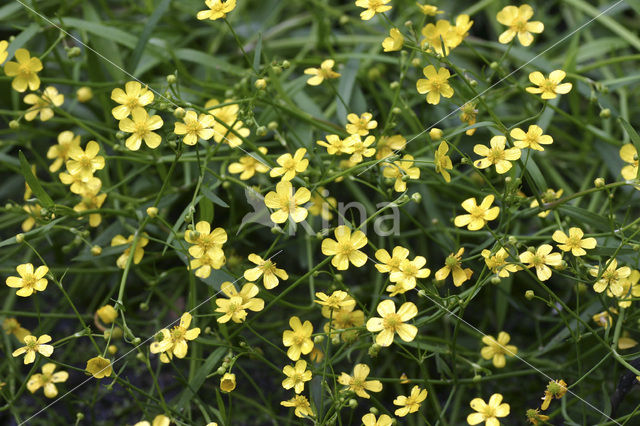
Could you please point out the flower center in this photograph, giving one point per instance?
(496, 155)
(392, 321)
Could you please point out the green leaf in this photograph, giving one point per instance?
(217, 63)
(136, 55)
(585, 217)
(199, 377)
(206, 209)
(257, 53)
(33, 182)
(633, 135)
(345, 88)
(213, 197)
(22, 39)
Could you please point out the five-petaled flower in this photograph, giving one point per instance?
(296, 376)
(287, 203)
(325, 72)
(344, 248)
(141, 126)
(217, 9)
(298, 339)
(266, 268)
(372, 7)
(391, 322)
(34, 345)
(574, 242)
(25, 71)
(410, 404)
(488, 413)
(435, 85)
(517, 19)
(358, 383)
(541, 258)
(497, 155)
(497, 349)
(47, 380)
(30, 281)
(478, 215)
(133, 96)
(549, 88)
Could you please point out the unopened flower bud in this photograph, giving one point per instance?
(152, 212)
(19, 238)
(84, 94)
(171, 79)
(605, 113)
(529, 294)
(435, 134)
(14, 124)
(179, 112)
(260, 84)
(599, 182)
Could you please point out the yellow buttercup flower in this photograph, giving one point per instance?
(195, 127)
(217, 9)
(360, 125)
(84, 163)
(337, 301)
(630, 291)
(407, 274)
(3, 50)
(12, 326)
(208, 261)
(271, 275)
(410, 404)
(436, 34)
(33, 210)
(287, 203)
(336, 145)
(42, 104)
(497, 349)
(358, 383)
(298, 339)
(25, 71)
(555, 389)
(533, 138)
(389, 145)
(34, 345)
(443, 161)
(47, 380)
(227, 127)
(497, 262)
(549, 88)
(30, 281)
(401, 170)
(574, 242)
(296, 376)
(428, 9)
(249, 165)
(325, 72)
(517, 19)
(78, 186)
(603, 319)
(99, 367)
(60, 152)
(391, 322)
(394, 42)
(462, 27)
(133, 96)
(228, 382)
(107, 314)
(369, 419)
(488, 413)
(84, 94)
(141, 127)
(390, 263)
(435, 85)
(91, 201)
(119, 240)
(469, 115)
(497, 155)
(290, 165)
(611, 277)
(159, 420)
(361, 148)
(478, 215)
(452, 265)
(344, 248)
(372, 7)
(301, 405)
(232, 308)
(247, 293)
(541, 259)
(205, 240)
(321, 204)
(629, 154)
(548, 196)
(175, 341)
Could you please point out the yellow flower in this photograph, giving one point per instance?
(66, 140)
(463, 25)
(30, 281)
(84, 94)
(91, 201)
(435, 85)
(210, 260)
(344, 248)
(42, 104)
(452, 265)
(84, 163)
(99, 367)
(206, 241)
(33, 345)
(175, 341)
(248, 165)
(517, 19)
(226, 120)
(321, 204)
(575, 243)
(497, 263)
(603, 319)
(390, 263)
(549, 88)
(611, 277)
(267, 269)
(107, 314)
(159, 420)
(296, 376)
(533, 139)
(478, 215)
(391, 322)
(133, 96)
(141, 127)
(119, 240)
(548, 196)
(3, 51)
(630, 291)
(369, 419)
(298, 339)
(372, 7)
(541, 259)
(25, 71)
(469, 115)
(394, 42)
(358, 383)
(436, 33)
(247, 293)
(228, 382)
(336, 146)
(555, 389)
(410, 404)
(339, 300)
(290, 165)
(233, 309)
(428, 9)
(407, 274)
(47, 380)
(195, 127)
(88, 188)
(325, 72)
(301, 404)
(497, 349)
(398, 170)
(287, 203)
(217, 9)
(488, 413)
(361, 148)
(629, 154)
(12, 326)
(497, 155)
(443, 161)
(360, 125)
(389, 145)
(33, 210)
